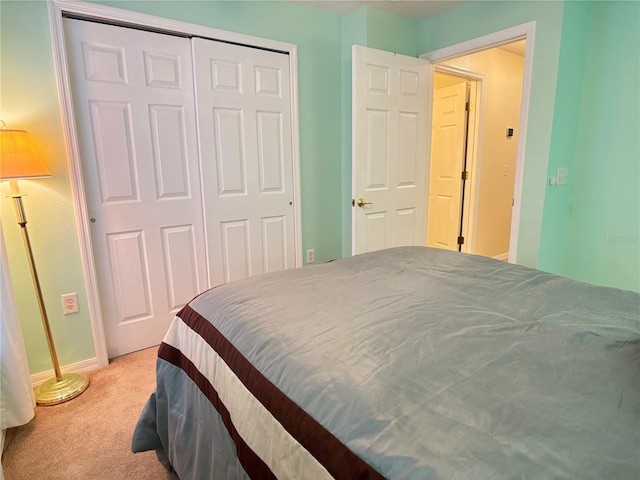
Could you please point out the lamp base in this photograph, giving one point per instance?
(53, 392)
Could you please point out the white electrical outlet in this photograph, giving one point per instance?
(311, 255)
(69, 303)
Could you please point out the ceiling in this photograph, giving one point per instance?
(417, 10)
(515, 47)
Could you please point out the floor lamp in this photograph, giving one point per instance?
(19, 160)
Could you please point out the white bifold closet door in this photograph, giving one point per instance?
(157, 240)
(244, 117)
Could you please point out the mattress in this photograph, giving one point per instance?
(407, 363)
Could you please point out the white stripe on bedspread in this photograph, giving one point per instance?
(260, 430)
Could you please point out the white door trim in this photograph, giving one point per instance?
(58, 8)
(519, 32)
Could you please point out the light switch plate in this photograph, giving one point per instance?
(561, 178)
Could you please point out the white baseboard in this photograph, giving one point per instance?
(503, 256)
(80, 367)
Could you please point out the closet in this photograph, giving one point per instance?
(187, 169)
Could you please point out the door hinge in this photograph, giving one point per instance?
(465, 175)
(460, 240)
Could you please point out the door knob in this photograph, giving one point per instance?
(362, 202)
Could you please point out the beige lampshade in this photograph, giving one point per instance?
(18, 157)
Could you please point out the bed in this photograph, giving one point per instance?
(406, 363)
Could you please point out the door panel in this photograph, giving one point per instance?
(406, 226)
(408, 158)
(236, 254)
(181, 264)
(377, 156)
(274, 250)
(128, 260)
(244, 115)
(376, 230)
(447, 162)
(168, 134)
(230, 158)
(135, 118)
(270, 156)
(113, 139)
(389, 149)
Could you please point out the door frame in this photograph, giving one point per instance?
(526, 31)
(473, 157)
(59, 8)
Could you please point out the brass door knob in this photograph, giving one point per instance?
(362, 202)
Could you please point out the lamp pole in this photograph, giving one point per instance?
(61, 388)
(22, 221)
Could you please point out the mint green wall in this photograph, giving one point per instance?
(478, 18)
(353, 32)
(392, 33)
(603, 238)
(576, 21)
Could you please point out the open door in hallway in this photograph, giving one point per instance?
(389, 150)
(448, 141)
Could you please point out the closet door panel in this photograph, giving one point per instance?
(136, 124)
(142, 118)
(244, 115)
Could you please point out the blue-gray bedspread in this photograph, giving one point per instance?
(420, 363)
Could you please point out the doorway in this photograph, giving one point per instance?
(525, 31)
(474, 148)
(365, 144)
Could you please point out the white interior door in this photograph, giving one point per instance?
(389, 150)
(447, 162)
(244, 119)
(135, 118)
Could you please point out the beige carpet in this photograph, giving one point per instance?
(89, 437)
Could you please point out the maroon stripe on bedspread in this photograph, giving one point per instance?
(252, 463)
(336, 457)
